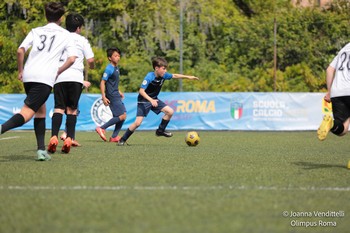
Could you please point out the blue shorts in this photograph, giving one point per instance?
(117, 107)
(143, 108)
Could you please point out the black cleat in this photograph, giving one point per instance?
(122, 143)
(164, 133)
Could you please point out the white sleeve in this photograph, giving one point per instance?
(28, 41)
(71, 48)
(88, 53)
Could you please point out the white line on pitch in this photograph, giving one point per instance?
(179, 188)
(9, 138)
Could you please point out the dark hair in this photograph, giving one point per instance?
(110, 51)
(54, 11)
(159, 62)
(74, 21)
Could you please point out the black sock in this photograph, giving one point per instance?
(70, 124)
(127, 134)
(338, 127)
(15, 121)
(56, 123)
(39, 129)
(163, 125)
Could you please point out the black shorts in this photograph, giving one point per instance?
(143, 108)
(37, 94)
(67, 94)
(341, 108)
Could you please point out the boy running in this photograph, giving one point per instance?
(47, 44)
(69, 84)
(112, 96)
(147, 99)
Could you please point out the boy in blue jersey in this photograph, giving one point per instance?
(147, 99)
(112, 96)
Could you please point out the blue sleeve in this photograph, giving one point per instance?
(107, 73)
(168, 76)
(147, 80)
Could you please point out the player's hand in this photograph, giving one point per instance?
(327, 97)
(20, 76)
(154, 103)
(193, 77)
(86, 84)
(105, 101)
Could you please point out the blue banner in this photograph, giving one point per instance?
(197, 111)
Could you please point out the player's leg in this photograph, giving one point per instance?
(142, 111)
(37, 95)
(118, 110)
(56, 121)
(31, 105)
(74, 90)
(168, 113)
(40, 129)
(130, 130)
(341, 114)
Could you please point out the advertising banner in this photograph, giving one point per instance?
(197, 111)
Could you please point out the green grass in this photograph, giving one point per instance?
(231, 182)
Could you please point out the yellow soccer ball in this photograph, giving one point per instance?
(192, 138)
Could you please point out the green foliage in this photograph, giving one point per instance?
(228, 44)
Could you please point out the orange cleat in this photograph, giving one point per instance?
(52, 144)
(115, 139)
(75, 143)
(66, 146)
(101, 132)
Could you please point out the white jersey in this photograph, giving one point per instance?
(341, 81)
(75, 73)
(47, 44)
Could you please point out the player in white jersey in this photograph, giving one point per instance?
(47, 44)
(338, 86)
(69, 84)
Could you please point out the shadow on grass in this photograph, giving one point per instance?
(310, 165)
(18, 157)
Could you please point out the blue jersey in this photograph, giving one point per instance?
(111, 76)
(152, 85)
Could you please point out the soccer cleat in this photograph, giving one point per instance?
(101, 132)
(43, 155)
(63, 136)
(52, 144)
(163, 133)
(75, 143)
(325, 127)
(66, 146)
(122, 143)
(115, 139)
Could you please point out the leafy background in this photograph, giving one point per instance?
(229, 44)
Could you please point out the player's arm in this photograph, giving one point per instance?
(20, 61)
(103, 92)
(91, 63)
(143, 93)
(121, 94)
(66, 65)
(330, 72)
(183, 76)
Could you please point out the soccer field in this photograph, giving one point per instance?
(232, 182)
